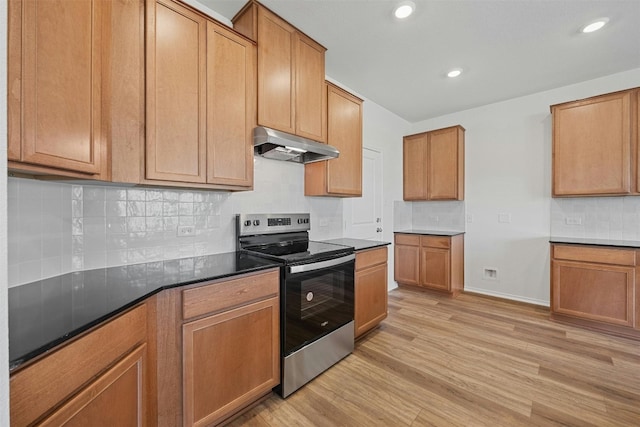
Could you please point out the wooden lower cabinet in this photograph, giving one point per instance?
(370, 289)
(595, 286)
(407, 259)
(430, 261)
(434, 268)
(115, 398)
(219, 348)
(81, 383)
(230, 360)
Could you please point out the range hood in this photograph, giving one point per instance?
(277, 145)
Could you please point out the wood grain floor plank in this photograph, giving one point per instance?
(469, 361)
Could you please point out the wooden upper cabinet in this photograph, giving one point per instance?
(433, 165)
(231, 100)
(291, 96)
(311, 98)
(276, 98)
(201, 98)
(592, 146)
(176, 93)
(445, 165)
(414, 176)
(56, 55)
(341, 177)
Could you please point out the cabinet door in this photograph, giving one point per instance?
(443, 165)
(592, 146)
(115, 398)
(637, 143)
(62, 59)
(231, 101)
(276, 102)
(414, 179)
(370, 297)
(310, 95)
(593, 291)
(176, 95)
(344, 174)
(230, 359)
(435, 268)
(407, 264)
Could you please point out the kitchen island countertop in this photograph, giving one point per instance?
(48, 312)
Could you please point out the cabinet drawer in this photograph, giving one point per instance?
(595, 254)
(408, 239)
(370, 257)
(38, 387)
(435, 241)
(225, 294)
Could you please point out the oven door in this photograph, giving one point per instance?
(318, 298)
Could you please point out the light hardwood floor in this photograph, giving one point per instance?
(469, 361)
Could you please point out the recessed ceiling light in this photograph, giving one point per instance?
(404, 9)
(595, 25)
(454, 73)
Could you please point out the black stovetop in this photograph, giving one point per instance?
(302, 252)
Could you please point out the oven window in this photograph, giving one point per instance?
(316, 303)
(319, 294)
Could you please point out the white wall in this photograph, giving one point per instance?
(4, 332)
(508, 171)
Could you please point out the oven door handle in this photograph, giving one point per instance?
(320, 265)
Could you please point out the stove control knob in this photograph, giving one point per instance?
(256, 222)
(247, 223)
(300, 220)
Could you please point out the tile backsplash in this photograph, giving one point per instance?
(56, 228)
(433, 215)
(616, 218)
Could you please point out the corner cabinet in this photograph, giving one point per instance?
(221, 343)
(370, 289)
(66, 62)
(596, 287)
(594, 141)
(341, 177)
(81, 383)
(200, 101)
(433, 165)
(291, 66)
(430, 261)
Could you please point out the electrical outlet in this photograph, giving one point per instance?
(573, 220)
(490, 273)
(504, 218)
(186, 230)
(324, 222)
(469, 218)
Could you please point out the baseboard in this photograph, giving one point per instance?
(507, 296)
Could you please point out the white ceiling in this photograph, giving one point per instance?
(507, 48)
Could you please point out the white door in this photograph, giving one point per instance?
(363, 215)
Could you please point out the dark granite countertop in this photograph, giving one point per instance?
(430, 232)
(48, 312)
(599, 242)
(357, 244)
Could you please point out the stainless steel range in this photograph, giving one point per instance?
(316, 293)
